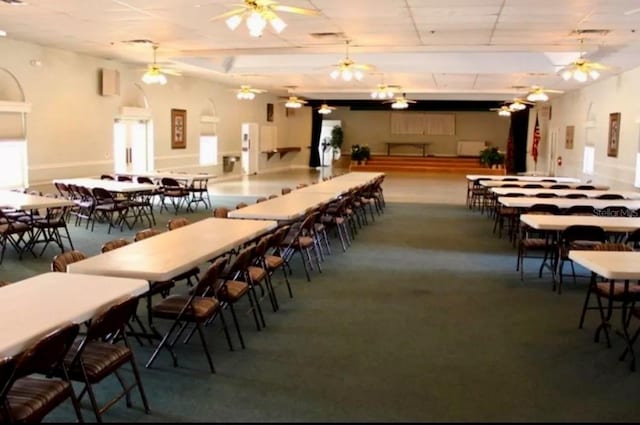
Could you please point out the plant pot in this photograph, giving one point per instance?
(336, 154)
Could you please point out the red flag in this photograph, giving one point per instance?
(536, 141)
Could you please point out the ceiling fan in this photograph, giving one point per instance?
(518, 104)
(539, 94)
(293, 102)
(246, 92)
(582, 69)
(503, 111)
(155, 74)
(347, 69)
(258, 13)
(400, 102)
(325, 109)
(384, 91)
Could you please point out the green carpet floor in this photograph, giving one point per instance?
(423, 319)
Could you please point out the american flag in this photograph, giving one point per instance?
(536, 141)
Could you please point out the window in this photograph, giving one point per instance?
(208, 150)
(588, 160)
(13, 163)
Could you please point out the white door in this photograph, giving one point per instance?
(250, 148)
(324, 148)
(132, 146)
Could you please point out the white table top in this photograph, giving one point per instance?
(158, 175)
(561, 222)
(34, 306)
(500, 183)
(365, 176)
(23, 201)
(558, 179)
(110, 185)
(619, 265)
(284, 208)
(168, 254)
(527, 202)
(564, 192)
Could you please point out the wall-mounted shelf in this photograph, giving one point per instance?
(281, 151)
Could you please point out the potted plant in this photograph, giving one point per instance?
(492, 157)
(337, 137)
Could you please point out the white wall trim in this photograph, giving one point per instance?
(58, 165)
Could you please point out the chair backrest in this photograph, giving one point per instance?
(546, 195)
(114, 244)
(239, 265)
(4, 283)
(285, 190)
(532, 186)
(580, 210)
(585, 187)
(7, 367)
(60, 261)
(102, 195)
(509, 179)
(559, 186)
(544, 209)
(241, 205)
(124, 179)
(633, 239)
(272, 196)
(106, 177)
(170, 182)
(220, 212)
(143, 179)
(610, 196)
(47, 353)
(261, 199)
(576, 195)
(111, 319)
(549, 180)
(211, 281)
(301, 185)
(581, 232)
(62, 189)
(612, 246)
(146, 233)
(174, 223)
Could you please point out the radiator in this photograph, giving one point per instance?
(470, 147)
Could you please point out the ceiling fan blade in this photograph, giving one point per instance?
(293, 9)
(596, 65)
(363, 66)
(229, 13)
(171, 72)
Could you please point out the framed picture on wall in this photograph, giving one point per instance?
(178, 129)
(568, 143)
(614, 134)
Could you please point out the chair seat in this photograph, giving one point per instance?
(15, 227)
(170, 307)
(234, 290)
(31, 398)
(535, 243)
(273, 261)
(257, 273)
(603, 289)
(100, 359)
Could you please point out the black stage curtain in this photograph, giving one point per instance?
(316, 128)
(519, 129)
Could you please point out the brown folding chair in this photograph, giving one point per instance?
(40, 381)
(102, 352)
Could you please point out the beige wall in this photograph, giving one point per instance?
(70, 127)
(588, 110)
(372, 128)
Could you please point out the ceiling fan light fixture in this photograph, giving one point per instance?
(233, 22)
(517, 106)
(154, 76)
(277, 24)
(256, 24)
(399, 104)
(594, 74)
(245, 95)
(504, 112)
(324, 109)
(537, 96)
(293, 104)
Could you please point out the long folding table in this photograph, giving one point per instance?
(40, 304)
